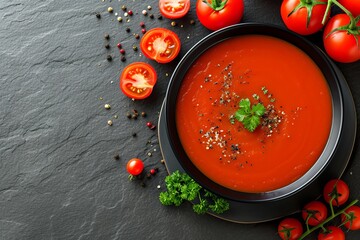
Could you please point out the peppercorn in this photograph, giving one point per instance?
(107, 36)
(134, 134)
(143, 30)
(144, 12)
(160, 17)
(123, 7)
(142, 184)
(128, 115)
(107, 46)
(134, 116)
(149, 124)
(109, 58)
(162, 161)
(173, 23)
(122, 51)
(135, 48)
(149, 7)
(117, 157)
(127, 29)
(110, 9)
(107, 106)
(110, 123)
(152, 171)
(143, 114)
(118, 45)
(98, 15)
(119, 19)
(130, 12)
(151, 16)
(192, 21)
(137, 36)
(142, 24)
(123, 58)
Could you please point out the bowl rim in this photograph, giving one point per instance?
(260, 29)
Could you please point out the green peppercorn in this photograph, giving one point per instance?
(135, 48)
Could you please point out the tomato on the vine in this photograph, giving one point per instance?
(137, 80)
(174, 9)
(352, 5)
(314, 213)
(135, 166)
(302, 16)
(332, 233)
(342, 39)
(290, 229)
(160, 44)
(336, 191)
(216, 14)
(352, 218)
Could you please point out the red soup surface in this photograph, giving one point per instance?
(293, 131)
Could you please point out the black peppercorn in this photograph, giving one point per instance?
(128, 115)
(123, 58)
(109, 58)
(134, 134)
(117, 157)
(107, 46)
(98, 15)
(127, 29)
(107, 36)
(151, 16)
(160, 17)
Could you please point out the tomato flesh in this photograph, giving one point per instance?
(137, 80)
(174, 9)
(160, 44)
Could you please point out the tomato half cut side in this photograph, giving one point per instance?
(174, 9)
(137, 80)
(160, 44)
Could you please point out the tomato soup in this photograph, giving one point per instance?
(292, 132)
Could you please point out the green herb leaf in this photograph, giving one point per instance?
(181, 187)
(249, 115)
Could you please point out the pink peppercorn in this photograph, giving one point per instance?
(143, 30)
(122, 51)
(130, 12)
(119, 45)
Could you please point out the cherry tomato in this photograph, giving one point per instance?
(290, 229)
(216, 14)
(314, 213)
(137, 80)
(332, 233)
(174, 8)
(160, 44)
(341, 41)
(135, 166)
(353, 222)
(336, 191)
(302, 17)
(352, 5)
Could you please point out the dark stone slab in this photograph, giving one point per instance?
(58, 175)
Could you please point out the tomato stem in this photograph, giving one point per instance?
(353, 21)
(321, 225)
(217, 5)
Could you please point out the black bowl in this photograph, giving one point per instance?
(329, 153)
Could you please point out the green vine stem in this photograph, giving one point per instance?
(353, 21)
(333, 215)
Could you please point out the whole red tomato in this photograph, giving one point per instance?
(336, 191)
(314, 213)
(216, 14)
(342, 39)
(303, 17)
(353, 220)
(290, 229)
(352, 5)
(135, 166)
(332, 233)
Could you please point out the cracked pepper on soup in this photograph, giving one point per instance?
(217, 105)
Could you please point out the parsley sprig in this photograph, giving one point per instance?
(181, 187)
(249, 115)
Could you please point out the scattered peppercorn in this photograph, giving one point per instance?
(119, 19)
(130, 12)
(137, 36)
(151, 16)
(127, 29)
(107, 46)
(123, 58)
(143, 30)
(107, 36)
(122, 51)
(160, 17)
(192, 21)
(149, 7)
(107, 106)
(128, 115)
(110, 123)
(135, 48)
(110, 9)
(162, 161)
(118, 45)
(109, 58)
(144, 12)
(134, 116)
(142, 24)
(152, 171)
(143, 114)
(173, 23)
(123, 7)
(134, 134)
(98, 15)
(117, 157)
(142, 184)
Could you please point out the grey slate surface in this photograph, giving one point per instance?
(58, 177)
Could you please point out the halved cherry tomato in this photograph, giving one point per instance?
(160, 44)
(342, 39)
(332, 233)
(290, 229)
(216, 14)
(135, 166)
(314, 213)
(303, 16)
(174, 9)
(336, 191)
(352, 218)
(352, 5)
(137, 80)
